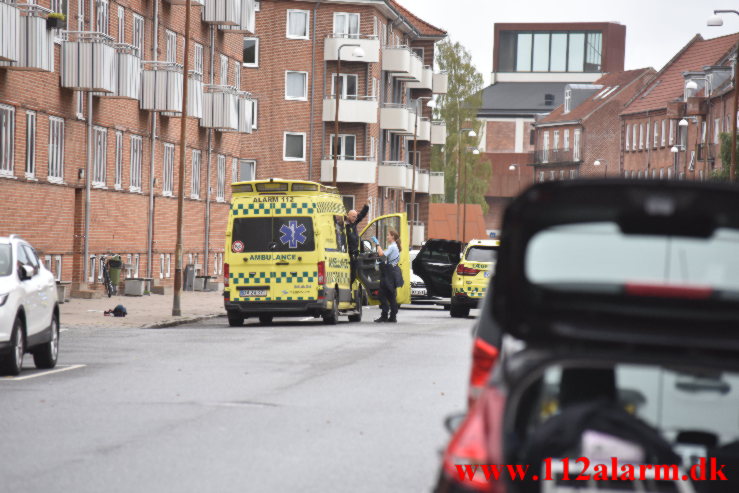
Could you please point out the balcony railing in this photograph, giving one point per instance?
(553, 156)
(88, 62)
(397, 118)
(402, 63)
(220, 108)
(370, 45)
(427, 79)
(424, 129)
(246, 112)
(438, 133)
(161, 88)
(223, 12)
(353, 109)
(441, 83)
(127, 72)
(34, 41)
(350, 169)
(194, 98)
(393, 174)
(247, 19)
(436, 183)
(10, 19)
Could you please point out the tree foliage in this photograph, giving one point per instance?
(458, 108)
(723, 172)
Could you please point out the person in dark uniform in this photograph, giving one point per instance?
(391, 277)
(352, 237)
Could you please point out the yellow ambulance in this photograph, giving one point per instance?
(470, 279)
(286, 254)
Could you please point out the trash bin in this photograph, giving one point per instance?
(115, 264)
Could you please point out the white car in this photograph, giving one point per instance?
(29, 311)
(418, 287)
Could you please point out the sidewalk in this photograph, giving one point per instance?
(143, 311)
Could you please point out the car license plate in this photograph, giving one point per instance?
(487, 274)
(253, 293)
(418, 292)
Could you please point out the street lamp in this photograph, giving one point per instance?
(419, 111)
(470, 133)
(675, 150)
(357, 53)
(716, 20)
(513, 167)
(598, 162)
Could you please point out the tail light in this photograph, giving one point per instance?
(466, 271)
(321, 273)
(225, 275)
(469, 445)
(484, 356)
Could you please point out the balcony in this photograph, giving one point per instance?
(194, 98)
(245, 112)
(161, 88)
(427, 79)
(419, 233)
(351, 110)
(10, 19)
(127, 72)
(349, 169)
(438, 133)
(247, 20)
(423, 180)
(393, 174)
(370, 45)
(436, 183)
(34, 43)
(555, 156)
(224, 12)
(220, 108)
(440, 83)
(397, 118)
(424, 129)
(402, 63)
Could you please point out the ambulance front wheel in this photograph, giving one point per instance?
(331, 317)
(265, 319)
(235, 319)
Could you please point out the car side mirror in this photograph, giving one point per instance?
(26, 272)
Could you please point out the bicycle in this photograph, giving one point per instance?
(105, 260)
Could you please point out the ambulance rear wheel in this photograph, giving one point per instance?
(457, 311)
(331, 317)
(235, 319)
(358, 301)
(265, 319)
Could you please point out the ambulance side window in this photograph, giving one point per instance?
(340, 233)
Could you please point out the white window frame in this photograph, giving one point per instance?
(80, 15)
(99, 157)
(195, 178)
(136, 264)
(647, 136)
(79, 103)
(102, 12)
(568, 100)
(139, 33)
(118, 179)
(305, 86)
(545, 147)
(627, 141)
(344, 85)
(342, 146)
(253, 163)
(641, 136)
(137, 153)
(223, 72)
(161, 266)
(121, 24)
(198, 60)
(93, 267)
(234, 169)
(347, 16)
(56, 149)
(307, 24)
(237, 75)
(655, 139)
(634, 130)
(169, 265)
(576, 145)
(171, 53)
(284, 147)
(566, 139)
(555, 140)
(663, 137)
(57, 264)
(168, 170)
(221, 178)
(7, 140)
(254, 113)
(31, 126)
(256, 53)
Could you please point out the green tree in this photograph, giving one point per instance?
(458, 108)
(723, 172)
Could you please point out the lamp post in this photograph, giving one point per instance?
(476, 152)
(430, 104)
(716, 20)
(470, 133)
(516, 167)
(676, 161)
(598, 162)
(338, 89)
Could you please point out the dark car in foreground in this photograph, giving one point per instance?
(617, 313)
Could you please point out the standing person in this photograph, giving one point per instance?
(352, 237)
(391, 277)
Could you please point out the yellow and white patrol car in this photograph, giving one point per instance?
(470, 279)
(287, 254)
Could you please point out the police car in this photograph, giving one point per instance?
(287, 254)
(472, 275)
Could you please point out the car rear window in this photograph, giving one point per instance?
(482, 254)
(278, 234)
(6, 262)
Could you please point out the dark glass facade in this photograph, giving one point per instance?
(556, 51)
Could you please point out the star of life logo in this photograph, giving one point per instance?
(293, 234)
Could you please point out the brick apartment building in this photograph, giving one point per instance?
(671, 128)
(532, 64)
(586, 129)
(126, 58)
(291, 67)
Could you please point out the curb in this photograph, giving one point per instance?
(182, 321)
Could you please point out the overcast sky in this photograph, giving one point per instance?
(655, 29)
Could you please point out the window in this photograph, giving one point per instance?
(56, 149)
(224, 70)
(169, 265)
(198, 58)
(419, 51)
(704, 129)
(566, 144)
(672, 132)
(91, 273)
(545, 147)
(254, 113)
(101, 8)
(121, 24)
(171, 46)
(294, 147)
(568, 100)
(542, 51)
(57, 265)
(716, 130)
(655, 141)
(161, 266)
(234, 169)
(347, 146)
(555, 143)
(195, 184)
(346, 25)
(7, 139)
(247, 170)
(297, 24)
(221, 184)
(136, 152)
(138, 33)
(251, 52)
(237, 75)
(573, 174)
(576, 145)
(641, 136)
(61, 7)
(628, 132)
(168, 170)
(80, 15)
(118, 160)
(296, 86)
(646, 136)
(349, 83)
(633, 136)
(100, 137)
(30, 143)
(79, 100)
(136, 263)
(664, 134)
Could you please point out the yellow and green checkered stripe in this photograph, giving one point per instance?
(267, 278)
(330, 207)
(279, 209)
(471, 291)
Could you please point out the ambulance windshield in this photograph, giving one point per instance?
(278, 234)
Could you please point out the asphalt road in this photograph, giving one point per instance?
(297, 406)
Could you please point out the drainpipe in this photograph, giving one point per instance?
(313, 91)
(88, 167)
(150, 229)
(210, 158)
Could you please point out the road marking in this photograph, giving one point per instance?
(45, 373)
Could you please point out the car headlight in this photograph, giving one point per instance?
(3, 298)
